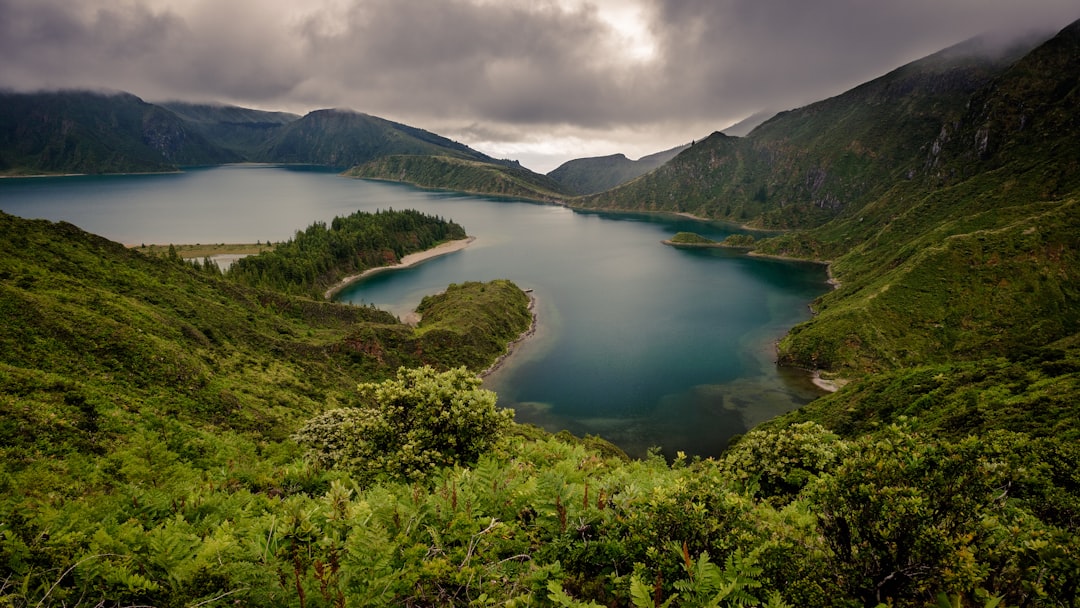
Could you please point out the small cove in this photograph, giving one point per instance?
(643, 344)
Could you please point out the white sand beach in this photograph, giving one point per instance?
(410, 260)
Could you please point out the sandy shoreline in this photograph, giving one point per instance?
(525, 335)
(826, 384)
(408, 261)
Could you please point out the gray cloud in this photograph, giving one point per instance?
(498, 73)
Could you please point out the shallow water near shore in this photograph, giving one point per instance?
(643, 344)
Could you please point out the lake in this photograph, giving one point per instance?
(637, 342)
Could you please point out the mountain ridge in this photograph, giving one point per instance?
(943, 194)
(583, 176)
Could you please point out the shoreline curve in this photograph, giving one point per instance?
(510, 347)
(407, 261)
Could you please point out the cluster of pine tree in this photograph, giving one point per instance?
(319, 256)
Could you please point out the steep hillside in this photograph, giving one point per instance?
(976, 255)
(461, 175)
(596, 174)
(240, 130)
(804, 167)
(343, 138)
(88, 132)
(944, 194)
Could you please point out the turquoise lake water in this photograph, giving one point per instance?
(638, 342)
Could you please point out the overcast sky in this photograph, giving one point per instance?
(541, 81)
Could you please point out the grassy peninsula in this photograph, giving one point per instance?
(462, 175)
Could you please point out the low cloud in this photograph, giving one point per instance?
(504, 73)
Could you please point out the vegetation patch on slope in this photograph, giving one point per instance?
(461, 175)
(320, 256)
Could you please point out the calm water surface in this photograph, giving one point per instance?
(640, 343)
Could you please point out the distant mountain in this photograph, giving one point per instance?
(462, 175)
(241, 130)
(91, 132)
(85, 132)
(343, 138)
(945, 194)
(599, 173)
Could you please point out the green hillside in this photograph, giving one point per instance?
(82, 132)
(591, 175)
(98, 316)
(89, 132)
(944, 194)
(976, 255)
(320, 256)
(804, 167)
(461, 175)
(342, 138)
(172, 438)
(240, 130)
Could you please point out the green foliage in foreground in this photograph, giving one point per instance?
(896, 517)
(320, 256)
(407, 427)
(147, 458)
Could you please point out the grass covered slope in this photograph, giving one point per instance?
(461, 175)
(977, 258)
(804, 167)
(147, 457)
(89, 132)
(91, 324)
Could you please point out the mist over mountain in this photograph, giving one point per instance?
(241, 130)
(344, 138)
(95, 132)
(748, 124)
(90, 132)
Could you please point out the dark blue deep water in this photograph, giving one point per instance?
(638, 342)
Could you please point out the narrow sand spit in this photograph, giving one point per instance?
(410, 260)
(826, 384)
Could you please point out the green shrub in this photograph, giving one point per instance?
(407, 427)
